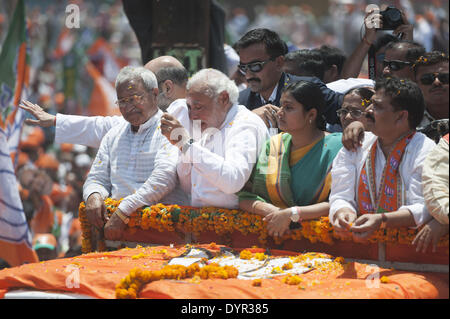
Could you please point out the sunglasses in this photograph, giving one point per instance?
(429, 78)
(130, 100)
(395, 65)
(254, 67)
(355, 113)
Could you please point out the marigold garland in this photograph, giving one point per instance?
(129, 287)
(224, 221)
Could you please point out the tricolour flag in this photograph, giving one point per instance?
(15, 236)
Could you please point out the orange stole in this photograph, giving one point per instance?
(388, 199)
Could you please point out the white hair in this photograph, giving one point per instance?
(129, 73)
(215, 82)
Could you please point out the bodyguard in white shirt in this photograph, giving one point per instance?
(220, 149)
(380, 185)
(135, 161)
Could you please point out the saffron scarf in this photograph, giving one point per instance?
(389, 198)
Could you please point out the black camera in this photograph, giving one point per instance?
(392, 18)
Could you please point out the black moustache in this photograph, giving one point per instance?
(257, 80)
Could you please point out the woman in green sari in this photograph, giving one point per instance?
(291, 180)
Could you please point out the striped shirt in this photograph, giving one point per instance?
(139, 167)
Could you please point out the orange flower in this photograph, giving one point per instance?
(224, 221)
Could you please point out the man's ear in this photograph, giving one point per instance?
(155, 92)
(331, 74)
(168, 88)
(223, 98)
(279, 61)
(402, 117)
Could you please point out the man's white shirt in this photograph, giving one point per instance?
(345, 85)
(139, 167)
(218, 165)
(347, 167)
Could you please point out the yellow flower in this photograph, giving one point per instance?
(276, 270)
(287, 266)
(224, 221)
(257, 283)
(384, 279)
(260, 256)
(292, 280)
(245, 254)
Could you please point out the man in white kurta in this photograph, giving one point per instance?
(219, 151)
(134, 162)
(358, 201)
(347, 167)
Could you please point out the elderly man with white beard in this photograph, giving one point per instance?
(218, 153)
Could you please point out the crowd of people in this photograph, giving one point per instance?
(302, 136)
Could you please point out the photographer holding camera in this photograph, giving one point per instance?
(389, 19)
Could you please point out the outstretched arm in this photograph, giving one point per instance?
(74, 129)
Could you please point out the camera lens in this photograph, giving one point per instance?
(394, 16)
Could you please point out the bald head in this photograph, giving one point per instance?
(172, 78)
(162, 62)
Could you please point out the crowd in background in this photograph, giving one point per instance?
(52, 176)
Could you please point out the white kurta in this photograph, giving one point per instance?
(137, 166)
(218, 165)
(347, 167)
(435, 182)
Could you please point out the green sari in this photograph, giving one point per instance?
(275, 179)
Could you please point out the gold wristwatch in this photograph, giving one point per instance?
(123, 217)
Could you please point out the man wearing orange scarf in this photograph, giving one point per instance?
(380, 184)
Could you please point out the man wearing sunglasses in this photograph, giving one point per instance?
(261, 53)
(400, 57)
(431, 73)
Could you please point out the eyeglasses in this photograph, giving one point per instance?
(355, 113)
(395, 65)
(429, 78)
(254, 67)
(130, 100)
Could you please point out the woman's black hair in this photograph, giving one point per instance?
(310, 96)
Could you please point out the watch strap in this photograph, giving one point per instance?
(122, 216)
(186, 145)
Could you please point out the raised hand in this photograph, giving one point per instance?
(43, 118)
